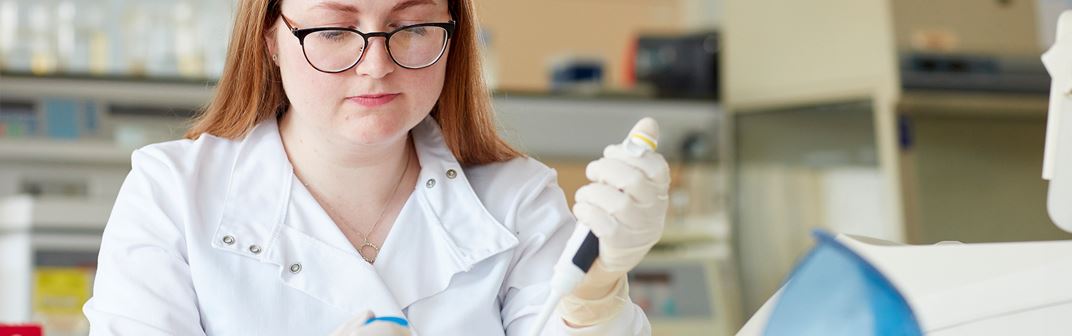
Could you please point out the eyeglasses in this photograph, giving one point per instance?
(337, 49)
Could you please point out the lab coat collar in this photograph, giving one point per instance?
(452, 204)
(448, 230)
(442, 230)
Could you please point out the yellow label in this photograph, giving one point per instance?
(60, 290)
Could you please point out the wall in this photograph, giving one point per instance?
(528, 35)
(996, 27)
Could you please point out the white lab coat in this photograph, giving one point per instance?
(218, 237)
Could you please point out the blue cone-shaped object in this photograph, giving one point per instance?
(834, 291)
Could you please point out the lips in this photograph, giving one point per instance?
(373, 100)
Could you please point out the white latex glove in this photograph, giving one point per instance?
(357, 327)
(625, 206)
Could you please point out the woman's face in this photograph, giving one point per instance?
(373, 103)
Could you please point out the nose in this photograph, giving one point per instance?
(376, 61)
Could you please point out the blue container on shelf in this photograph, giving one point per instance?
(17, 120)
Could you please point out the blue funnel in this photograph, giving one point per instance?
(834, 291)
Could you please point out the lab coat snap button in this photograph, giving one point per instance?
(451, 174)
(430, 183)
(229, 240)
(295, 268)
(255, 249)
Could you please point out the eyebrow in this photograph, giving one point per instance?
(344, 7)
(412, 3)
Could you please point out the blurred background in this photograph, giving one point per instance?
(915, 121)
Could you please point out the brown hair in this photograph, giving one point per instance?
(250, 89)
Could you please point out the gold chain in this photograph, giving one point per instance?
(366, 243)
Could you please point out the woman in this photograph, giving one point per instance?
(338, 174)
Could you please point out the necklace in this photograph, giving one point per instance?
(366, 243)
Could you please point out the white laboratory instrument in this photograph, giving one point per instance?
(1057, 165)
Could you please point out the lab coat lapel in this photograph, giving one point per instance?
(254, 214)
(443, 230)
(256, 195)
(338, 277)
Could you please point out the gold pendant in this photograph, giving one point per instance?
(375, 251)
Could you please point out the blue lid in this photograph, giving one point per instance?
(834, 291)
(390, 319)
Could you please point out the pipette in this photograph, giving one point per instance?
(571, 268)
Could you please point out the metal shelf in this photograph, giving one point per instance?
(112, 91)
(965, 104)
(53, 213)
(711, 229)
(59, 151)
(576, 128)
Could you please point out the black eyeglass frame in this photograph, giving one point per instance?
(301, 33)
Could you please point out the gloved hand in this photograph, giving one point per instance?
(625, 206)
(360, 326)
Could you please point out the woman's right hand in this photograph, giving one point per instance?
(360, 326)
